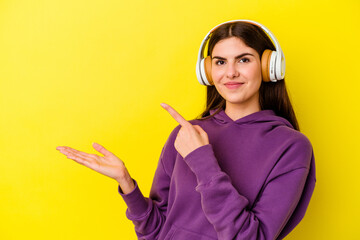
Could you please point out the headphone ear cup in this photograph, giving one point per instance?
(280, 67)
(207, 66)
(205, 72)
(265, 65)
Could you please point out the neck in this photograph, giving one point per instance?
(237, 111)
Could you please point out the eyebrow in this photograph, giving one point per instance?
(237, 57)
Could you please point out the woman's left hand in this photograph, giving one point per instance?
(189, 137)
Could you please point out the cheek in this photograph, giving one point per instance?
(254, 74)
(216, 73)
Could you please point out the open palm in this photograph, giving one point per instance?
(108, 165)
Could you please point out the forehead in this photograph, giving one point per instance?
(232, 47)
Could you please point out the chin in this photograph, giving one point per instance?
(234, 99)
(241, 100)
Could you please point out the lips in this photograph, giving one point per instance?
(233, 85)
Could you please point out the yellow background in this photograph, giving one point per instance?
(77, 72)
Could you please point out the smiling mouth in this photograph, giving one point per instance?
(233, 85)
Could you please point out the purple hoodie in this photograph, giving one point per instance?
(254, 180)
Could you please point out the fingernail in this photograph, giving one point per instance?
(163, 105)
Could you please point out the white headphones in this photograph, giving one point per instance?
(272, 62)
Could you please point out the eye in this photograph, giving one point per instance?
(219, 62)
(244, 60)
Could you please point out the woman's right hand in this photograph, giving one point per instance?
(108, 165)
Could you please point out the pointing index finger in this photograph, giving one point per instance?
(176, 115)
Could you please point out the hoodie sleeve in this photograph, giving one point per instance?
(148, 214)
(230, 213)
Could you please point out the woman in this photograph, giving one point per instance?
(242, 170)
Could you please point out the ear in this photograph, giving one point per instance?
(207, 66)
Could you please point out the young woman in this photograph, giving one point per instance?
(242, 170)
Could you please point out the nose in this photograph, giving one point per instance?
(231, 71)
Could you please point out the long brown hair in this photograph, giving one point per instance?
(272, 95)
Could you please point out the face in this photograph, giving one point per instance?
(236, 72)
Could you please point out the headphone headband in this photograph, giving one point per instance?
(277, 65)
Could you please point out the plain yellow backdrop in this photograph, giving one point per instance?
(77, 72)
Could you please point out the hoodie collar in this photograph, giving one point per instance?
(256, 117)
